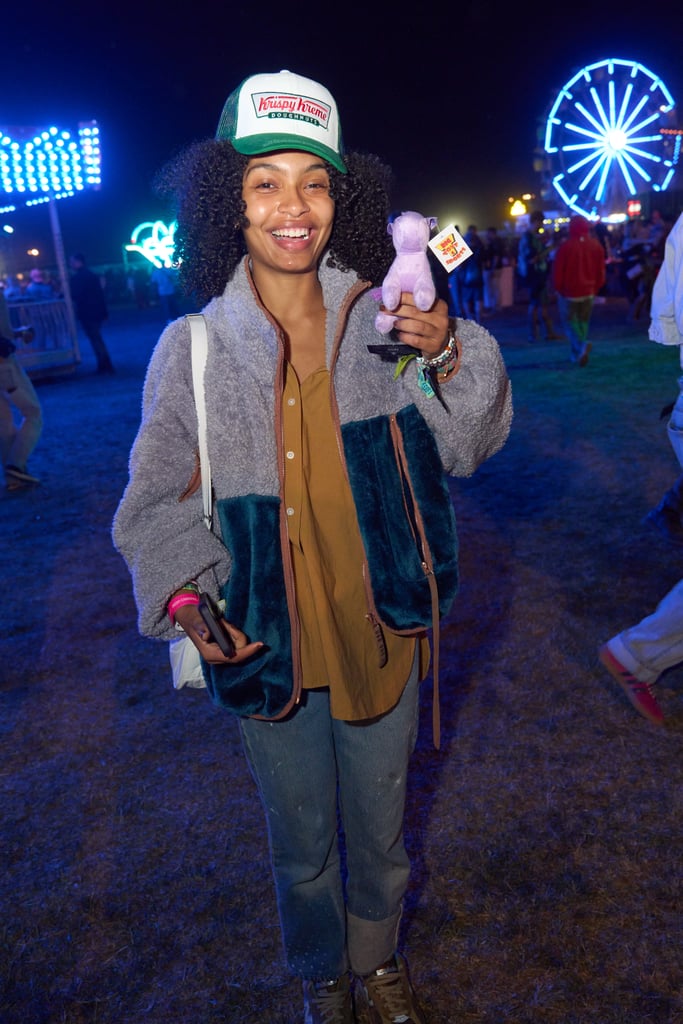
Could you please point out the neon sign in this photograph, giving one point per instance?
(155, 241)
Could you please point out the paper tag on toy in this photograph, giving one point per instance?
(450, 248)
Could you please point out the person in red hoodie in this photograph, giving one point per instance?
(578, 276)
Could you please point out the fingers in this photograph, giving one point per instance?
(212, 653)
(427, 331)
(195, 627)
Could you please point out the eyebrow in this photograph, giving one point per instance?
(265, 165)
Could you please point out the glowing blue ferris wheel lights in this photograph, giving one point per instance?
(606, 136)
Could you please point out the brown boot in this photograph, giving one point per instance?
(328, 1002)
(386, 996)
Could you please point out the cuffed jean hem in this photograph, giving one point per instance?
(656, 642)
(371, 943)
(618, 648)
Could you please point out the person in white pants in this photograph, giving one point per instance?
(637, 656)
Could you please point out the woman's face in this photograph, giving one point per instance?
(289, 210)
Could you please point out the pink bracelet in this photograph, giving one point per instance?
(176, 602)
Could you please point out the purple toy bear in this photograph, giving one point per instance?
(410, 271)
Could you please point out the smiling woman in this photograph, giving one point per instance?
(205, 184)
(289, 212)
(333, 539)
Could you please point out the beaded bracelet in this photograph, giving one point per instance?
(451, 368)
(441, 365)
(179, 599)
(443, 358)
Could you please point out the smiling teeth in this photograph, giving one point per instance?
(291, 233)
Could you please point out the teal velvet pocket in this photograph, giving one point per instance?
(393, 490)
(255, 602)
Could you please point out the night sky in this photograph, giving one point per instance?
(450, 95)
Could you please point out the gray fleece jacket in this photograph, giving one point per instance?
(159, 529)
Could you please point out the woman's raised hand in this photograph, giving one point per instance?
(426, 331)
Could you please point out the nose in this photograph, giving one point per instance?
(293, 201)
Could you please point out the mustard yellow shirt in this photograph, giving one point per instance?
(339, 648)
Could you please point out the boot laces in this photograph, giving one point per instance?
(331, 1003)
(387, 992)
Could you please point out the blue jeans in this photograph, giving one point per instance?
(576, 315)
(306, 767)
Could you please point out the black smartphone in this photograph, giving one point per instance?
(212, 617)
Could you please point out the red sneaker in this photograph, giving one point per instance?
(638, 692)
(585, 352)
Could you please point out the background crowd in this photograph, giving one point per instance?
(633, 254)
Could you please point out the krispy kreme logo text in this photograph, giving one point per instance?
(285, 104)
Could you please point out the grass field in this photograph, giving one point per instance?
(545, 835)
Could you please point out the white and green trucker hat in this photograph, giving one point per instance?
(282, 111)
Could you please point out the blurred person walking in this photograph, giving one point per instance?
(165, 280)
(91, 309)
(471, 274)
(533, 269)
(630, 257)
(578, 276)
(493, 262)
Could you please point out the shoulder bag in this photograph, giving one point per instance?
(186, 666)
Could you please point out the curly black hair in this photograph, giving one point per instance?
(204, 183)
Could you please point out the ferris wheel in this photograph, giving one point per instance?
(610, 134)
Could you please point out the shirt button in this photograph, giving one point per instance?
(291, 401)
(290, 455)
(290, 511)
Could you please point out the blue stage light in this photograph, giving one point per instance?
(51, 163)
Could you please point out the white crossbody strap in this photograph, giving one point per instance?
(200, 348)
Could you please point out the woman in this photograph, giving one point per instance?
(324, 467)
